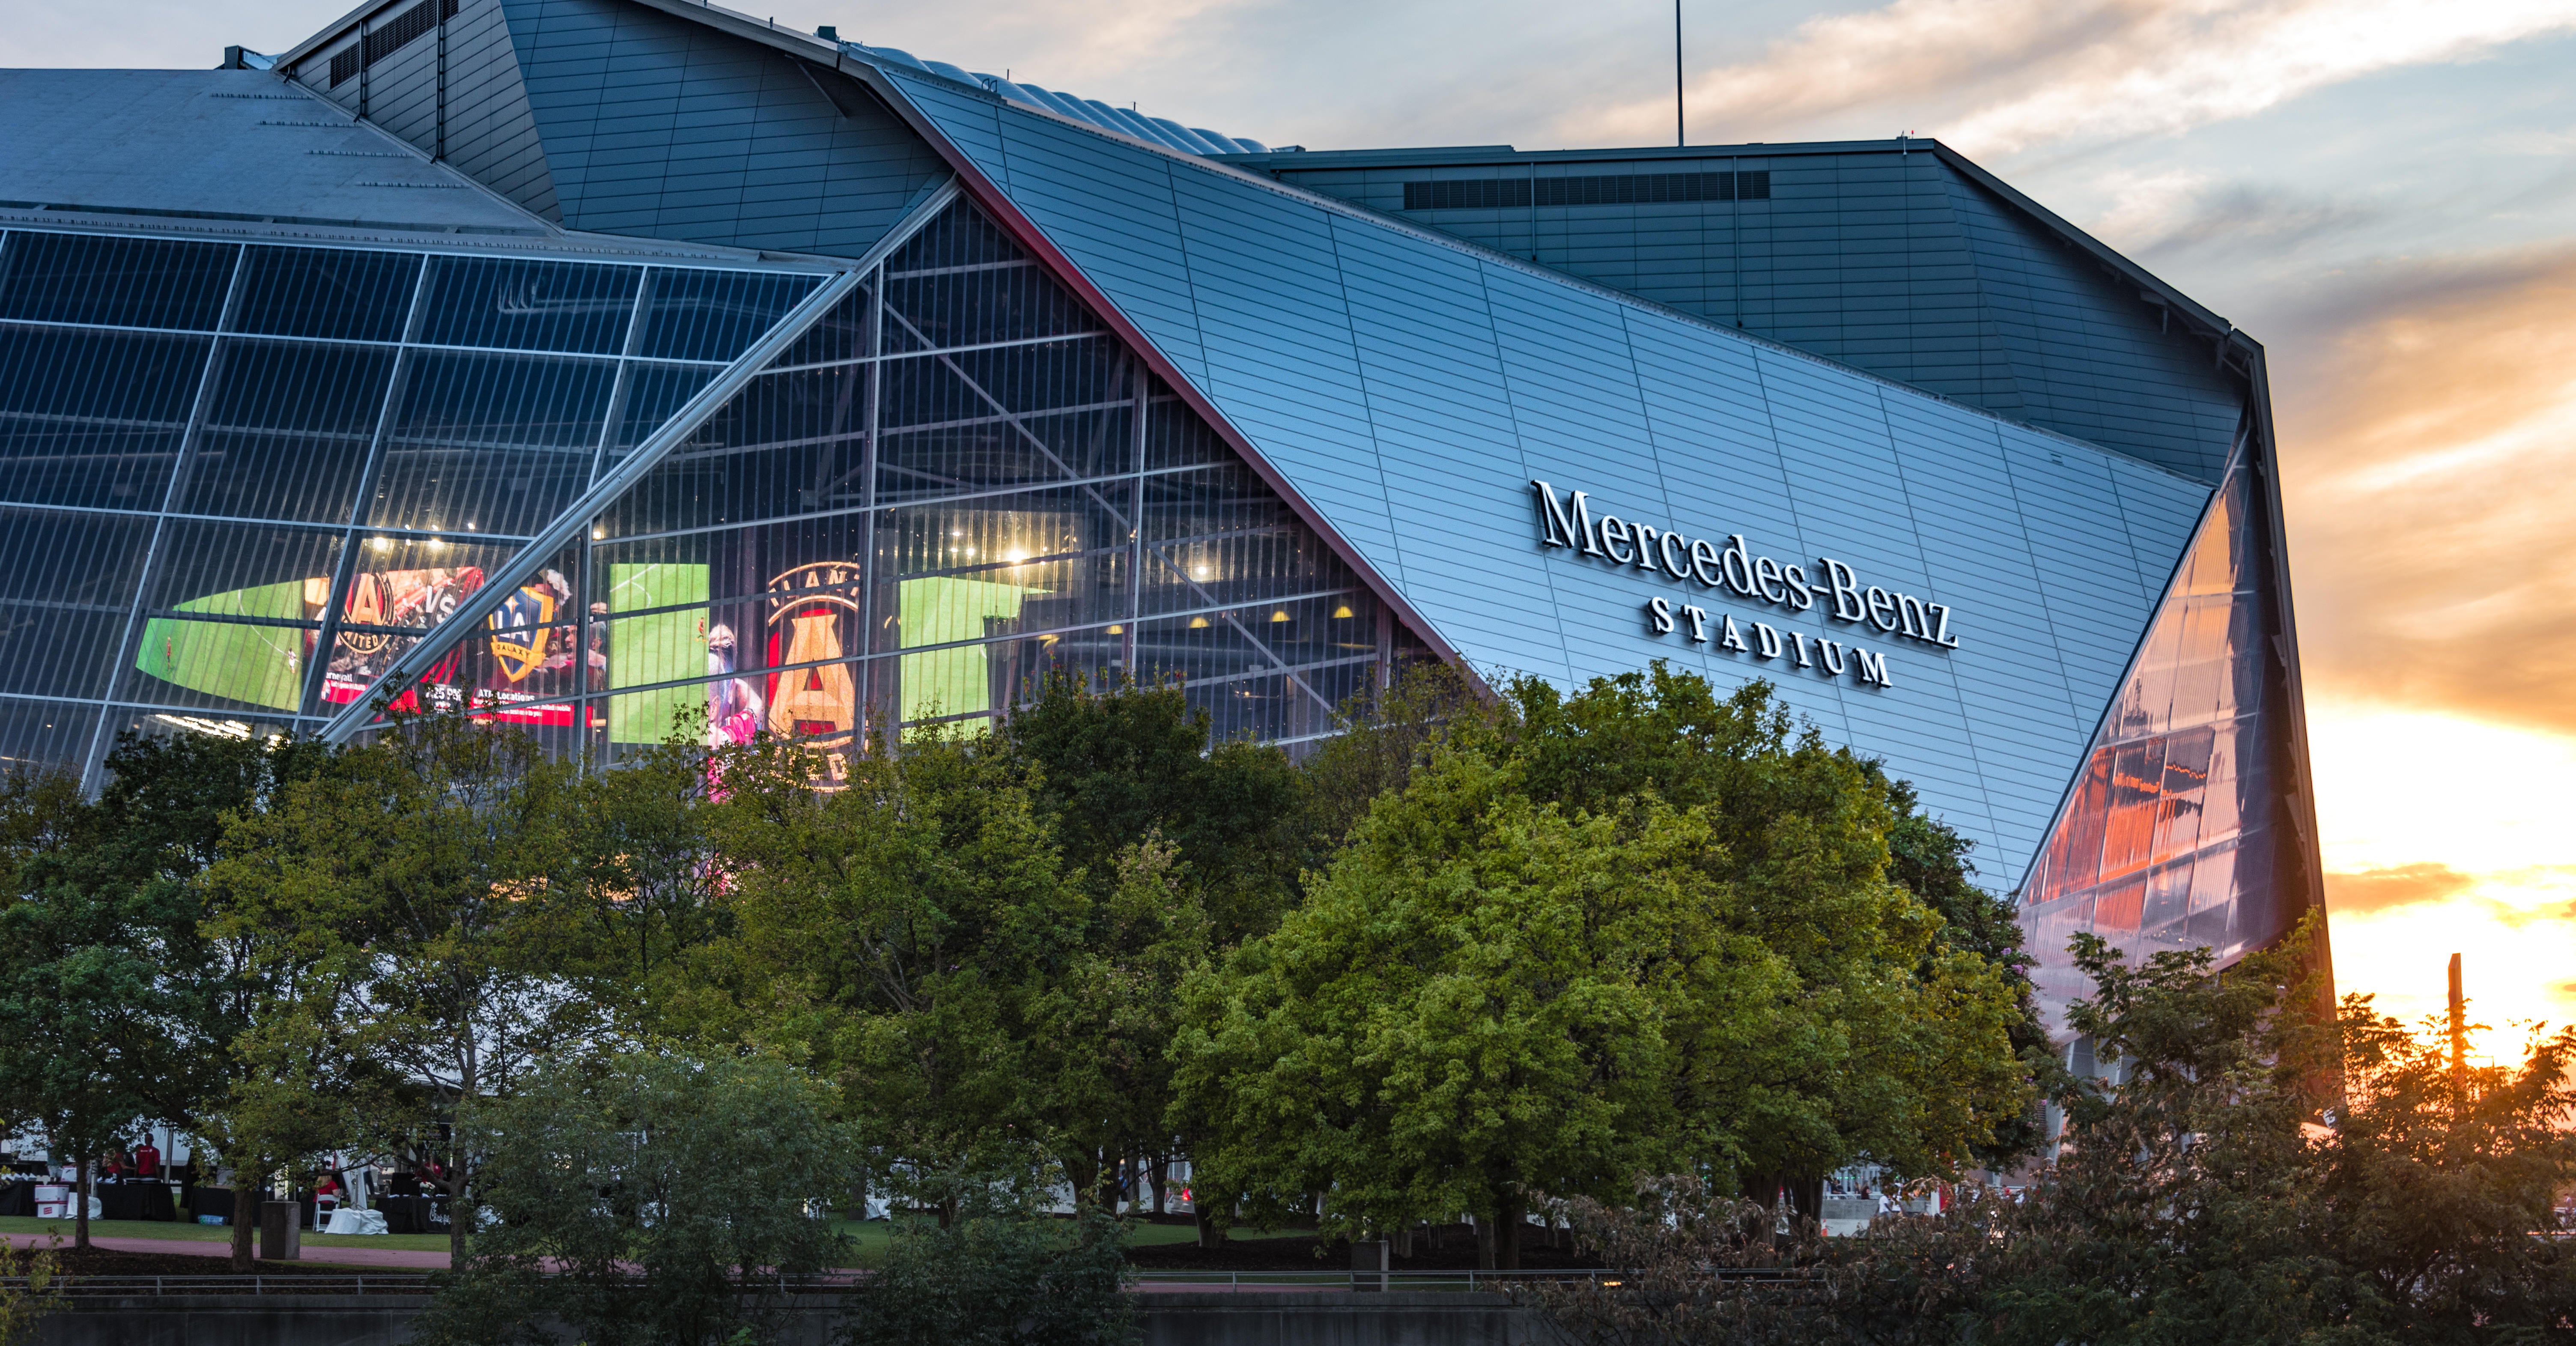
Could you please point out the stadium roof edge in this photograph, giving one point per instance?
(880, 83)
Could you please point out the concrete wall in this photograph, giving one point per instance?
(1219, 1318)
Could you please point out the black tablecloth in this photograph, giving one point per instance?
(135, 1201)
(211, 1201)
(18, 1198)
(411, 1215)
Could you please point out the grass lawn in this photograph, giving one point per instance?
(213, 1233)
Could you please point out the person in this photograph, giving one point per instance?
(111, 1166)
(147, 1160)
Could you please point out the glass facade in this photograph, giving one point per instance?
(2168, 838)
(955, 482)
(237, 479)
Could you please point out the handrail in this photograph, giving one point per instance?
(250, 1283)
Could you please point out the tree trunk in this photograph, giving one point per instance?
(457, 1216)
(1161, 1174)
(1485, 1253)
(1507, 1231)
(80, 1207)
(1211, 1234)
(1082, 1174)
(243, 1223)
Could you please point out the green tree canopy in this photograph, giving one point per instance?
(897, 935)
(648, 1198)
(400, 902)
(1636, 927)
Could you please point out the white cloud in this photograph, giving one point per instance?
(1999, 76)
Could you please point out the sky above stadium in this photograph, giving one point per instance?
(2383, 192)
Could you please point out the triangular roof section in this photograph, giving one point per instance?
(1407, 388)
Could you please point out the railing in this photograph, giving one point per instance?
(107, 1287)
(1149, 1278)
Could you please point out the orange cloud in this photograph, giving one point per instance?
(2380, 889)
(2428, 425)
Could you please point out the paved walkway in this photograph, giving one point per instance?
(392, 1259)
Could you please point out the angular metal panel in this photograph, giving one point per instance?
(1411, 390)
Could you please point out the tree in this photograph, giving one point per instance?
(2198, 1196)
(168, 802)
(90, 935)
(895, 935)
(1908, 1059)
(393, 900)
(1638, 927)
(1385, 734)
(644, 898)
(1107, 766)
(2436, 1181)
(1101, 1030)
(648, 1198)
(25, 1277)
(1484, 1000)
(1930, 859)
(999, 1277)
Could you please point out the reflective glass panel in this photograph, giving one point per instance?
(115, 282)
(94, 418)
(714, 315)
(883, 543)
(2164, 841)
(512, 304)
(286, 430)
(343, 293)
(39, 735)
(403, 587)
(490, 443)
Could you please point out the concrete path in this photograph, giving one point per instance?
(392, 1259)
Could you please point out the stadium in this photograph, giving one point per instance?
(601, 365)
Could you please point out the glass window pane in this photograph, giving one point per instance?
(226, 665)
(94, 418)
(788, 444)
(85, 561)
(521, 305)
(842, 334)
(327, 292)
(491, 443)
(963, 282)
(997, 566)
(240, 569)
(715, 315)
(67, 586)
(286, 430)
(43, 735)
(1176, 437)
(1221, 537)
(653, 395)
(1005, 418)
(408, 585)
(119, 282)
(47, 650)
(279, 578)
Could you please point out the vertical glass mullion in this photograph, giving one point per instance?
(875, 671)
(343, 571)
(625, 376)
(1136, 441)
(161, 525)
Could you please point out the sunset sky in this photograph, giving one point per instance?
(2383, 192)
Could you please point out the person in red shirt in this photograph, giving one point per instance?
(147, 1160)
